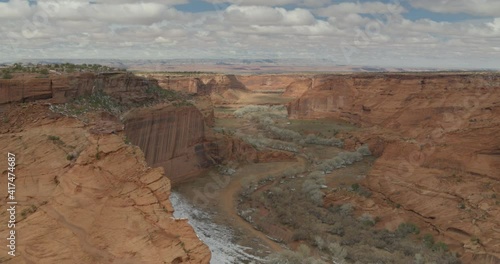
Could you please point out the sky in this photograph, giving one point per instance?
(387, 33)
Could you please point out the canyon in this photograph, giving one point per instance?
(434, 137)
(85, 194)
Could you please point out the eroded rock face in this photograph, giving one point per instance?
(275, 82)
(439, 161)
(172, 138)
(199, 85)
(126, 87)
(89, 197)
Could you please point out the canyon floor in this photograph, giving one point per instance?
(262, 224)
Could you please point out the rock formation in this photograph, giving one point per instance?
(171, 137)
(88, 197)
(125, 87)
(440, 157)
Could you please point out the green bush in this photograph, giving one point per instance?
(312, 188)
(367, 219)
(7, 75)
(428, 240)
(249, 111)
(440, 246)
(364, 150)
(405, 229)
(53, 138)
(283, 134)
(343, 159)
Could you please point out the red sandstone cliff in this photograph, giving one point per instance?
(441, 158)
(171, 137)
(88, 198)
(125, 87)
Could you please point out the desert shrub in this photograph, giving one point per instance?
(266, 121)
(300, 234)
(316, 140)
(7, 75)
(162, 93)
(346, 209)
(419, 259)
(291, 172)
(428, 240)
(53, 138)
(249, 111)
(357, 188)
(337, 230)
(367, 219)
(316, 174)
(319, 243)
(405, 229)
(97, 101)
(350, 157)
(56, 140)
(440, 246)
(276, 191)
(262, 142)
(343, 159)
(312, 188)
(364, 150)
(283, 134)
(72, 156)
(337, 252)
(291, 257)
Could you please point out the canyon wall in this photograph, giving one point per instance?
(207, 84)
(199, 84)
(438, 143)
(88, 198)
(274, 82)
(172, 138)
(125, 87)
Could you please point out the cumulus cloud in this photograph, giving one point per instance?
(14, 9)
(373, 33)
(473, 7)
(347, 8)
(303, 3)
(263, 15)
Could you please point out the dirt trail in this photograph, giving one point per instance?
(254, 172)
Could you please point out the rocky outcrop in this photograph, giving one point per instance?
(199, 85)
(170, 137)
(274, 82)
(88, 197)
(126, 87)
(298, 87)
(439, 159)
(235, 149)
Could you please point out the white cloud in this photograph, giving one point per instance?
(495, 25)
(346, 8)
(14, 9)
(302, 3)
(263, 15)
(156, 29)
(473, 7)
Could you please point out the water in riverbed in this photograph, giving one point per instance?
(217, 237)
